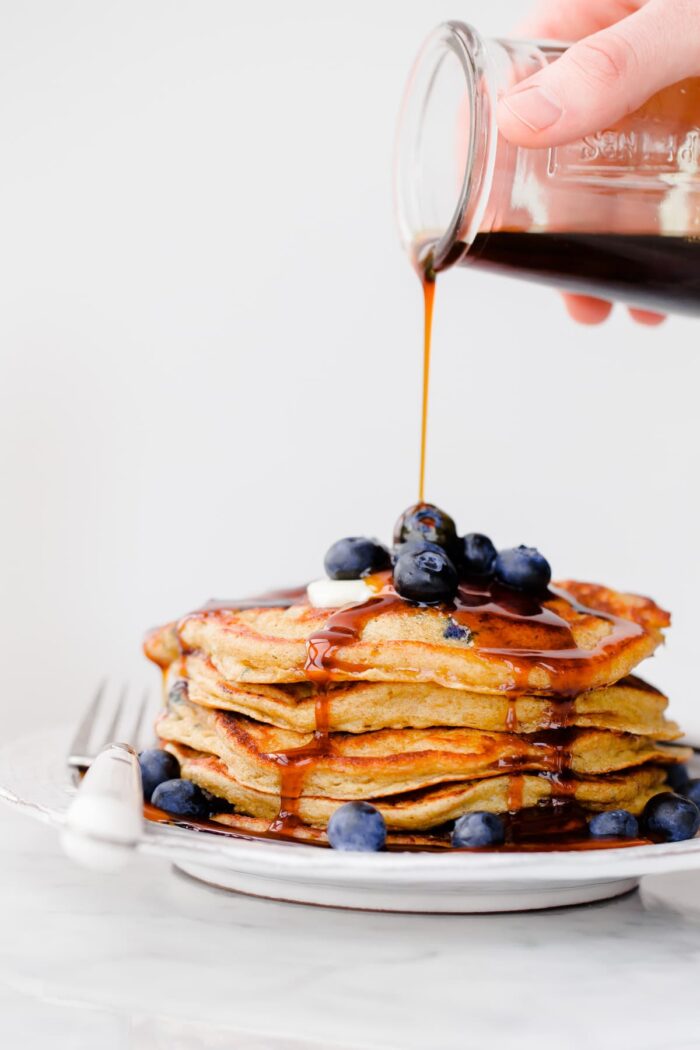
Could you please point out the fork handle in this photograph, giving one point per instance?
(104, 822)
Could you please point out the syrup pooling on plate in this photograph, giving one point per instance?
(538, 829)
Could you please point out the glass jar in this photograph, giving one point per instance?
(615, 214)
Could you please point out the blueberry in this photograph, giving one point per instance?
(678, 778)
(357, 826)
(424, 521)
(478, 829)
(178, 691)
(456, 632)
(692, 791)
(182, 798)
(523, 568)
(157, 766)
(670, 818)
(414, 544)
(216, 804)
(425, 576)
(614, 824)
(478, 555)
(355, 556)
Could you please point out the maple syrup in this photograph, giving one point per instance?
(428, 303)
(542, 829)
(653, 271)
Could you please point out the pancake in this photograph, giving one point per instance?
(581, 637)
(395, 761)
(431, 807)
(630, 706)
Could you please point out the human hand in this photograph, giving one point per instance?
(627, 51)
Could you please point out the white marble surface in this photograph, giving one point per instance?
(147, 959)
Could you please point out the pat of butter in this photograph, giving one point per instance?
(332, 594)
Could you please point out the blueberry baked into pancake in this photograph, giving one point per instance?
(441, 694)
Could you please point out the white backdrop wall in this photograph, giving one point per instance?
(210, 341)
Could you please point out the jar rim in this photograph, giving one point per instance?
(413, 200)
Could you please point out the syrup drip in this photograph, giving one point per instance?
(516, 786)
(294, 765)
(561, 713)
(512, 716)
(428, 283)
(562, 783)
(343, 628)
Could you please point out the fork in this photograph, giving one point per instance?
(104, 822)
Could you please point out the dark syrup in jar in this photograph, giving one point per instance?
(651, 271)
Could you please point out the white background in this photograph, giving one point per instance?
(210, 342)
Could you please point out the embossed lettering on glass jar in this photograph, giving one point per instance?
(616, 213)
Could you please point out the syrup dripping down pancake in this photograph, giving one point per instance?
(396, 761)
(431, 807)
(630, 706)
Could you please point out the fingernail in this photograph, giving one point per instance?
(533, 107)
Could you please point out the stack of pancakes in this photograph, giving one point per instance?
(425, 714)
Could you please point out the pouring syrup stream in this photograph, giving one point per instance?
(428, 282)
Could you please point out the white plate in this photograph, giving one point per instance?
(34, 778)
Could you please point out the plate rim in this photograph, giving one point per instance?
(292, 859)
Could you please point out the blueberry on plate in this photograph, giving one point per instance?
(424, 521)
(523, 568)
(354, 557)
(182, 798)
(478, 829)
(692, 791)
(670, 818)
(157, 766)
(614, 824)
(678, 778)
(357, 826)
(478, 555)
(425, 576)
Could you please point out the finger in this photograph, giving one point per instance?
(554, 20)
(585, 309)
(649, 317)
(604, 77)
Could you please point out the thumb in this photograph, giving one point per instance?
(605, 76)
